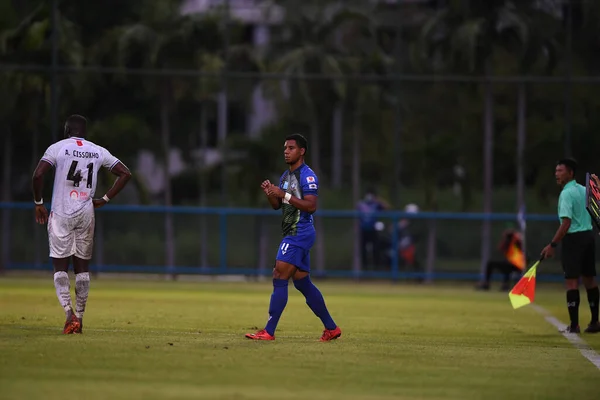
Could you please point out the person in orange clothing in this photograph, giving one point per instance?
(511, 246)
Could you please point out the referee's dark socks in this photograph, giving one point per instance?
(573, 305)
(593, 296)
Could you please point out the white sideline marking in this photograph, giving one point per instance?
(574, 338)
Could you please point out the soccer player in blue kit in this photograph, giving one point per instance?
(296, 195)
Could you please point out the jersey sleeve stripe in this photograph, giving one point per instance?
(48, 161)
(113, 164)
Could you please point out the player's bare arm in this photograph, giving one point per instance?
(548, 251)
(273, 200)
(41, 213)
(123, 176)
(308, 204)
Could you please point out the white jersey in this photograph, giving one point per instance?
(76, 162)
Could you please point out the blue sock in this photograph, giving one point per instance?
(314, 299)
(279, 299)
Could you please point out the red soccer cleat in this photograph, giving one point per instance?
(260, 335)
(80, 328)
(72, 324)
(331, 334)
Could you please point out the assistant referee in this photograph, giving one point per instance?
(578, 247)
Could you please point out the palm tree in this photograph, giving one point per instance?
(236, 58)
(192, 41)
(464, 37)
(23, 41)
(167, 41)
(538, 54)
(204, 95)
(363, 100)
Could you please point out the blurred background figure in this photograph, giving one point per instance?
(406, 245)
(370, 228)
(511, 246)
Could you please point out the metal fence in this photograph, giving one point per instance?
(401, 132)
(244, 241)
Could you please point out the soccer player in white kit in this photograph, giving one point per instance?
(71, 223)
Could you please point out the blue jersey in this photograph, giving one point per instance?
(298, 225)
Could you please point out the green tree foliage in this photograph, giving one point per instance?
(442, 123)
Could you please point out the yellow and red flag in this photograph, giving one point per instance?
(523, 292)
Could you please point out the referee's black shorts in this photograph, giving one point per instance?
(579, 254)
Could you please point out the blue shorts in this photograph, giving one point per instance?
(293, 254)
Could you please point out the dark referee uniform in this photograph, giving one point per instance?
(578, 247)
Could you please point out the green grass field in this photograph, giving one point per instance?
(182, 340)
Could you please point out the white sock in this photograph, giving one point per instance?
(63, 290)
(82, 289)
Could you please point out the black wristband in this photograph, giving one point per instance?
(553, 245)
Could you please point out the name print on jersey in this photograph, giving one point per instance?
(82, 154)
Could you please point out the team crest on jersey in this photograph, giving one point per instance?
(293, 186)
(310, 179)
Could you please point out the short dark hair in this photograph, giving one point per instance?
(300, 141)
(568, 162)
(75, 125)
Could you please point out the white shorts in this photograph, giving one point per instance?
(72, 236)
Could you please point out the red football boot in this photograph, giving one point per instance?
(72, 324)
(260, 335)
(331, 334)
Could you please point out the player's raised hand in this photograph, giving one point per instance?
(41, 214)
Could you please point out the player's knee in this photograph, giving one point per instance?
(571, 283)
(283, 270)
(589, 281)
(60, 264)
(279, 273)
(276, 274)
